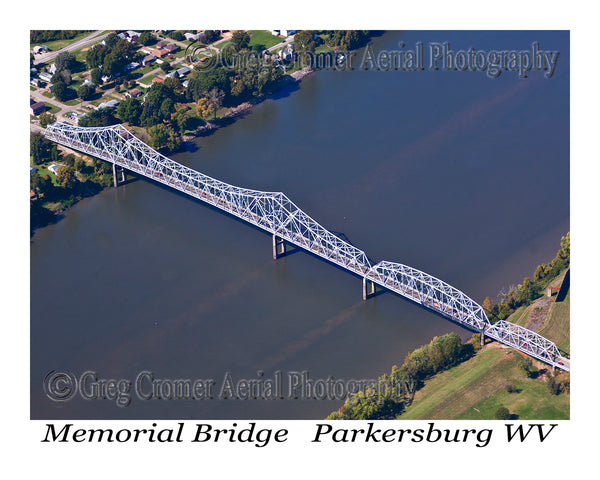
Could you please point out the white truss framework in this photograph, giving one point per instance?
(277, 214)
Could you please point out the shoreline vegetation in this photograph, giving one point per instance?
(448, 379)
(169, 117)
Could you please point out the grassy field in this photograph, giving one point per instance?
(263, 37)
(475, 389)
(557, 324)
(519, 316)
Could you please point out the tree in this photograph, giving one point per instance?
(145, 38)
(102, 117)
(240, 40)
(85, 92)
(130, 110)
(66, 76)
(95, 56)
(166, 67)
(65, 61)
(61, 92)
(111, 65)
(42, 185)
(502, 414)
(65, 175)
(211, 36)
(215, 97)
(180, 118)
(488, 304)
(46, 119)
(204, 108)
(305, 41)
(177, 35)
(167, 107)
(111, 40)
(96, 76)
(39, 148)
(159, 135)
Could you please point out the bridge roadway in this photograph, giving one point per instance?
(275, 213)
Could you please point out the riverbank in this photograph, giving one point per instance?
(245, 107)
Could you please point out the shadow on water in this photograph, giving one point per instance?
(285, 91)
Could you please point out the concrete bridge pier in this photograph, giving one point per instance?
(115, 176)
(281, 248)
(370, 288)
(115, 179)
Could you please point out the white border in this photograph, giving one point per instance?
(560, 456)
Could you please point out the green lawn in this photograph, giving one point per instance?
(147, 80)
(73, 102)
(263, 37)
(475, 389)
(519, 316)
(557, 324)
(52, 108)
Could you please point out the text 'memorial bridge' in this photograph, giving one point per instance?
(290, 226)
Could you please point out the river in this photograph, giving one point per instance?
(457, 174)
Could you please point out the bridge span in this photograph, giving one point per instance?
(290, 226)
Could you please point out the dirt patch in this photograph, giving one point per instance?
(538, 312)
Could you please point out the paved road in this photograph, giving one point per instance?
(91, 38)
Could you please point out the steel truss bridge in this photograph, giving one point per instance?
(289, 225)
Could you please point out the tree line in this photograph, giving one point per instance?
(40, 36)
(391, 394)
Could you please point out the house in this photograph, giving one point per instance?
(34, 82)
(40, 49)
(133, 93)
(190, 36)
(109, 104)
(183, 71)
(287, 33)
(148, 59)
(52, 68)
(45, 76)
(185, 84)
(37, 108)
(161, 45)
(159, 52)
(132, 66)
(274, 32)
(158, 80)
(50, 88)
(288, 52)
(170, 48)
(147, 50)
(54, 168)
(133, 35)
